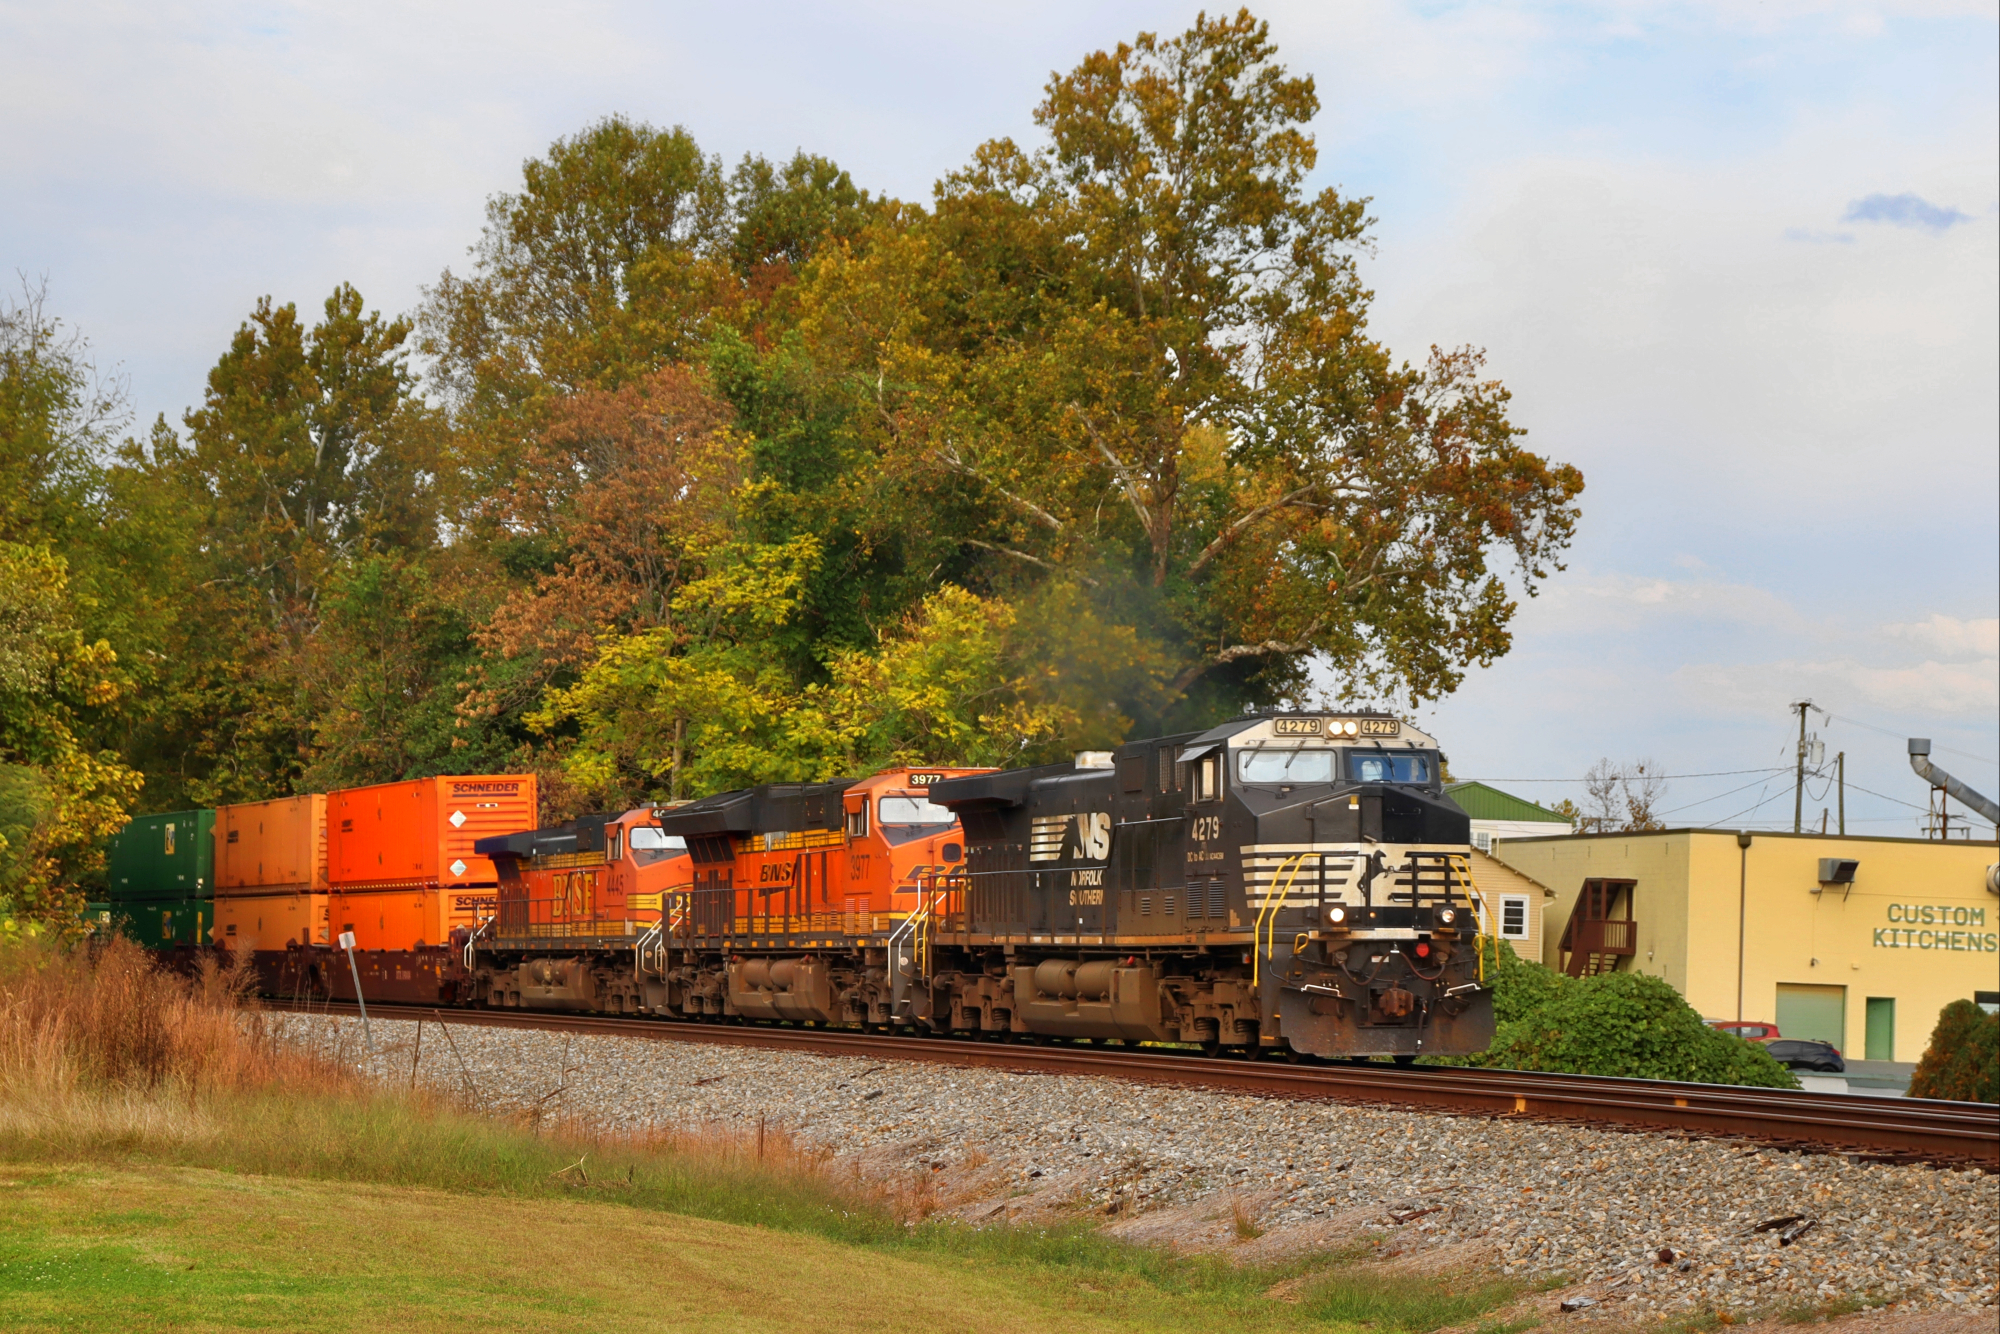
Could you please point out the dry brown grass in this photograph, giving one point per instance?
(100, 1043)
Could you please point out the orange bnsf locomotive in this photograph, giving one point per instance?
(1291, 884)
(792, 888)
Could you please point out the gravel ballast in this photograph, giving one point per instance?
(1646, 1223)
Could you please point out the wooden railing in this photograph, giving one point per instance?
(1604, 937)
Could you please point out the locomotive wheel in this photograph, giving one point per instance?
(1211, 1048)
(1406, 1060)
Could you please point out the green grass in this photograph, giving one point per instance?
(135, 1248)
(1350, 1296)
(387, 1140)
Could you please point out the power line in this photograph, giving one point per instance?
(1891, 799)
(1717, 797)
(1731, 819)
(1719, 773)
(1832, 718)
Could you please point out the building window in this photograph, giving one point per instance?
(1513, 917)
(1483, 840)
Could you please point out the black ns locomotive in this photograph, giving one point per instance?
(1296, 883)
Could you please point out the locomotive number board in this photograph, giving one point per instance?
(924, 780)
(1320, 727)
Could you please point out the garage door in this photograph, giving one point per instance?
(1813, 1012)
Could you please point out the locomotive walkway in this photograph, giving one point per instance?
(1872, 1129)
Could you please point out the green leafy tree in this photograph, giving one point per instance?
(602, 268)
(58, 794)
(1138, 355)
(58, 422)
(1962, 1062)
(784, 213)
(311, 451)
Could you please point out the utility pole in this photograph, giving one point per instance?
(1742, 912)
(1840, 775)
(1799, 790)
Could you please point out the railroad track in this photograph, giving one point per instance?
(1872, 1129)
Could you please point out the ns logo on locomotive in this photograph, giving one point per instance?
(1290, 883)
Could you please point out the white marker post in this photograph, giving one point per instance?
(347, 943)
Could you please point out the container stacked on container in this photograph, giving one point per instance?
(402, 872)
(271, 874)
(161, 873)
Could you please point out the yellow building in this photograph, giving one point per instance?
(1856, 941)
(1514, 905)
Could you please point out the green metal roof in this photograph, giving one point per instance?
(1490, 803)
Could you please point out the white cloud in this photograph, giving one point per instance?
(1950, 637)
(1590, 601)
(1937, 689)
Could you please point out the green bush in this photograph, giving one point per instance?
(1963, 1061)
(1520, 987)
(1628, 1024)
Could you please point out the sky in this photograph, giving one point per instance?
(1736, 262)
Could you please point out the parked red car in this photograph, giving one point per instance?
(1749, 1032)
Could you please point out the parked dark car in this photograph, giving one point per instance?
(1806, 1054)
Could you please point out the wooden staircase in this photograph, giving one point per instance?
(1600, 931)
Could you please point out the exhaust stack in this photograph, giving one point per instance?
(1920, 753)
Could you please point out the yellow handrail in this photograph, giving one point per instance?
(1472, 891)
(1268, 911)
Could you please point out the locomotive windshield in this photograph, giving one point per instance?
(650, 843)
(906, 818)
(1295, 764)
(1389, 767)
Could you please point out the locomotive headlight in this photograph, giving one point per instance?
(1447, 916)
(1336, 915)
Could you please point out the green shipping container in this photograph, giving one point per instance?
(160, 857)
(164, 923)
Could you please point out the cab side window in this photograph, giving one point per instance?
(614, 844)
(857, 821)
(1208, 778)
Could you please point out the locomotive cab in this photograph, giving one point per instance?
(567, 892)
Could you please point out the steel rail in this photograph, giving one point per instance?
(1883, 1128)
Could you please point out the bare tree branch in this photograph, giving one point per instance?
(1124, 474)
(1236, 652)
(1229, 534)
(1032, 560)
(950, 458)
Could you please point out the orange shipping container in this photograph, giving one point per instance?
(400, 860)
(267, 919)
(272, 843)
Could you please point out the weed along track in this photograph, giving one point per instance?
(1874, 1129)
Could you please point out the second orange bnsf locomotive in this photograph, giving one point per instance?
(1294, 883)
